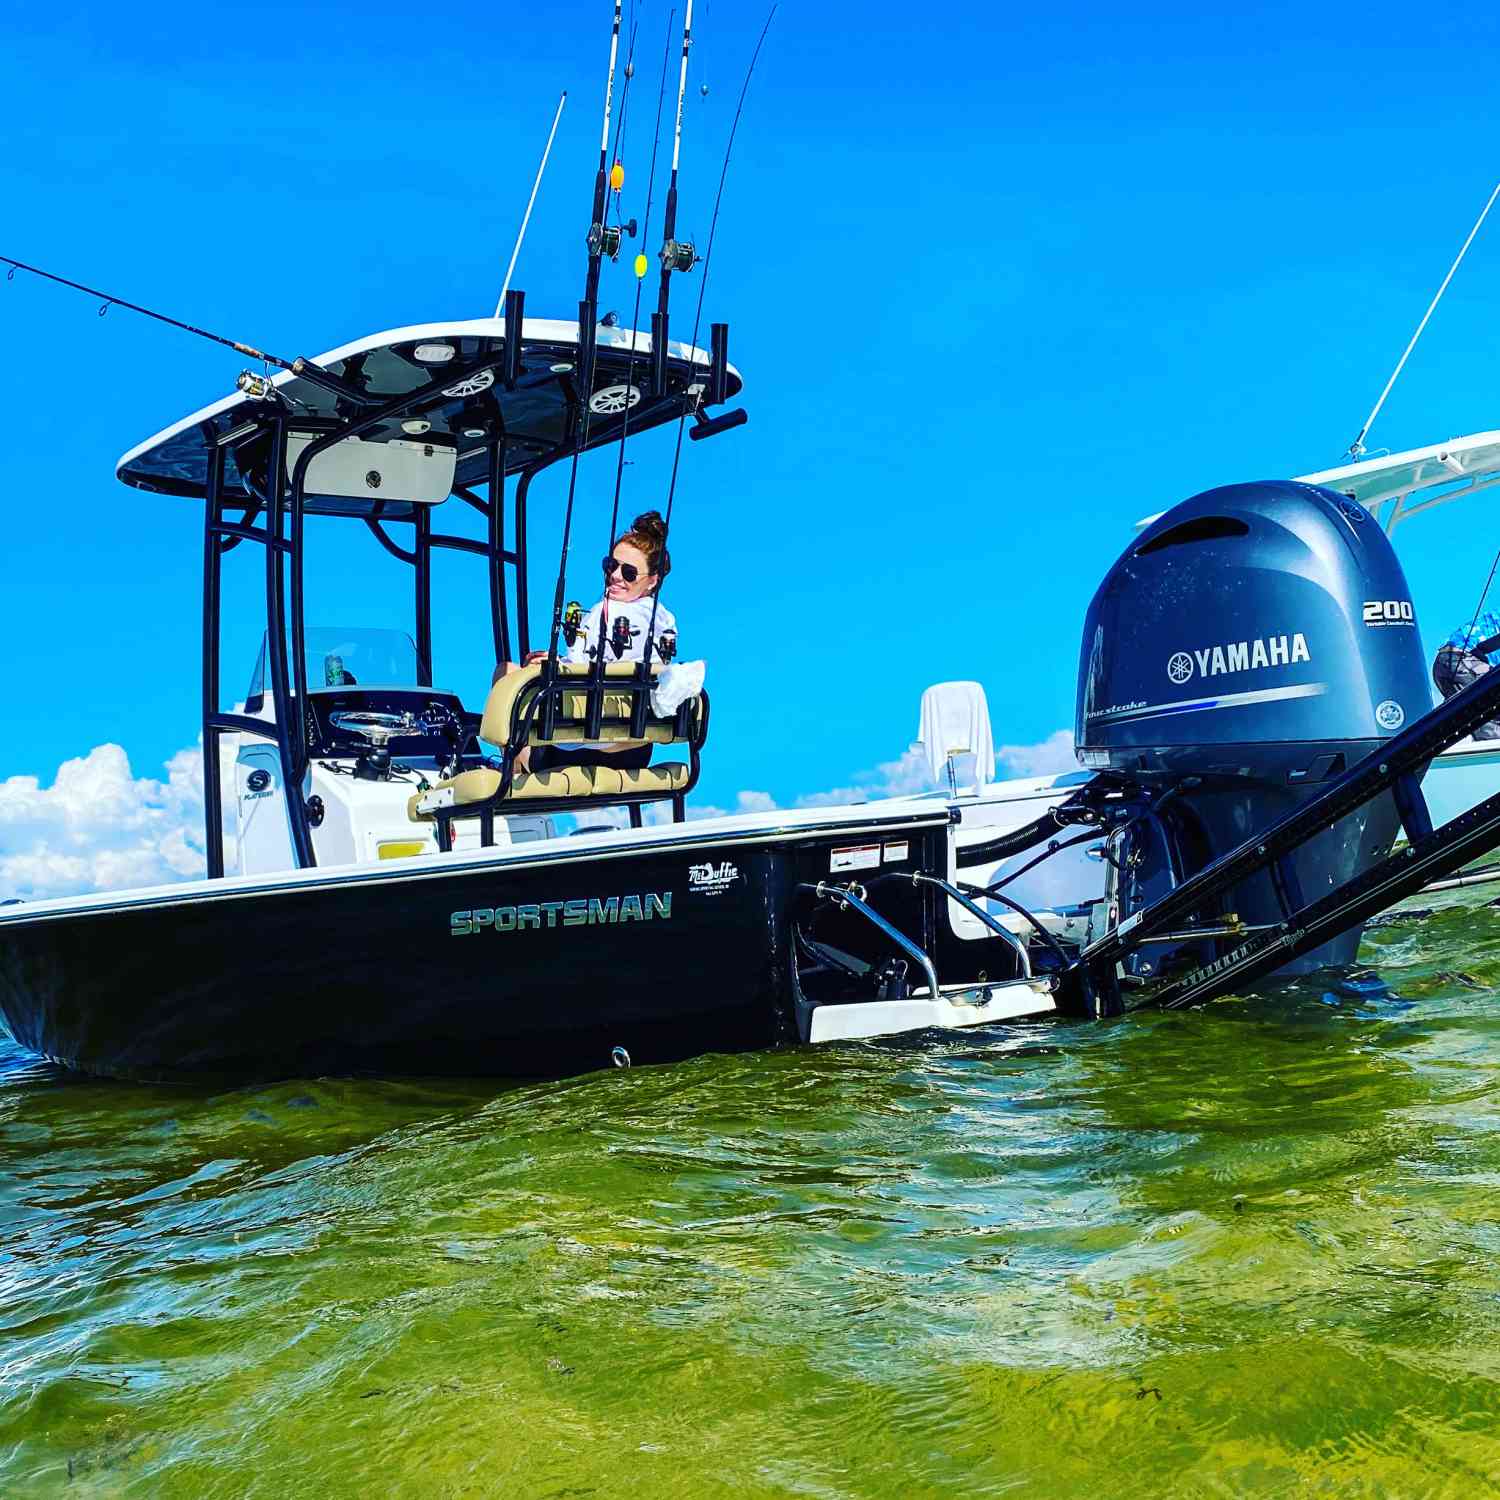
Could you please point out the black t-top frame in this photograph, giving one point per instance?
(508, 401)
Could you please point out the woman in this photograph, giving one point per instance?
(634, 572)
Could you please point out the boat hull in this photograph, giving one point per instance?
(510, 968)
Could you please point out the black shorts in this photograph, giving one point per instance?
(557, 757)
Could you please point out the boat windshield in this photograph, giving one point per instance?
(340, 657)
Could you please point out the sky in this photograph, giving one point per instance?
(1000, 281)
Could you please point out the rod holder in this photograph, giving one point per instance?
(707, 427)
(659, 353)
(718, 377)
(588, 338)
(515, 308)
(640, 702)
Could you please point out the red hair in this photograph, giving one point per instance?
(648, 535)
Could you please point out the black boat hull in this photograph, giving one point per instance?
(546, 965)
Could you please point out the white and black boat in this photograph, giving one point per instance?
(405, 897)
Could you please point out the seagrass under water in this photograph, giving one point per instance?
(1245, 1250)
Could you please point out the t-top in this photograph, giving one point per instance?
(625, 632)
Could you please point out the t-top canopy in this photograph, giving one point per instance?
(1437, 474)
(1441, 472)
(535, 418)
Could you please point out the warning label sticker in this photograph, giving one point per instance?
(858, 857)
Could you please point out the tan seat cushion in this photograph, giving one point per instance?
(670, 777)
(613, 734)
(500, 708)
(500, 705)
(469, 787)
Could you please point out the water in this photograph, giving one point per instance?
(1247, 1250)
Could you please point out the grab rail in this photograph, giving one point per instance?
(844, 897)
(1023, 955)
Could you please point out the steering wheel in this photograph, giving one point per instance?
(438, 718)
(377, 728)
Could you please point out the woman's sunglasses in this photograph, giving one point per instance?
(628, 571)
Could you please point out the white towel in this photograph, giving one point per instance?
(956, 722)
(675, 685)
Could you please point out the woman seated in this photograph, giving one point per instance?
(618, 624)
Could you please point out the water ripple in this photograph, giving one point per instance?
(1247, 1250)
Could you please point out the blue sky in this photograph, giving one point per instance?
(999, 281)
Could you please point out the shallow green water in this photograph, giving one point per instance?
(1247, 1250)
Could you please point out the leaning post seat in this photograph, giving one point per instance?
(515, 716)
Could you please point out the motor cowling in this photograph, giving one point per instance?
(1250, 645)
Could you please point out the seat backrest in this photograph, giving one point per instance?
(511, 698)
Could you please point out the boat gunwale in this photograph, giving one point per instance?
(516, 857)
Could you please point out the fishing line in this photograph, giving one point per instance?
(108, 302)
(615, 156)
(702, 288)
(1479, 608)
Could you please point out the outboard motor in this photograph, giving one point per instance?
(1252, 644)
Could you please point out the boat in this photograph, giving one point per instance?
(403, 898)
(406, 900)
(409, 897)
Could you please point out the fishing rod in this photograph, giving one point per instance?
(588, 312)
(641, 264)
(675, 255)
(108, 301)
(258, 387)
(596, 671)
(702, 288)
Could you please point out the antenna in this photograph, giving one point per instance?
(1357, 447)
(530, 204)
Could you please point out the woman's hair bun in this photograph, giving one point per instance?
(649, 532)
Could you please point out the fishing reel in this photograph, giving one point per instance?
(572, 622)
(678, 255)
(256, 387)
(620, 635)
(604, 239)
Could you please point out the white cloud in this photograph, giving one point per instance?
(908, 775)
(902, 777)
(1046, 758)
(100, 827)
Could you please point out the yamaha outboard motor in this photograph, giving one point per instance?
(1253, 643)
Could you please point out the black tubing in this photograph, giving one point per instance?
(1008, 843)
